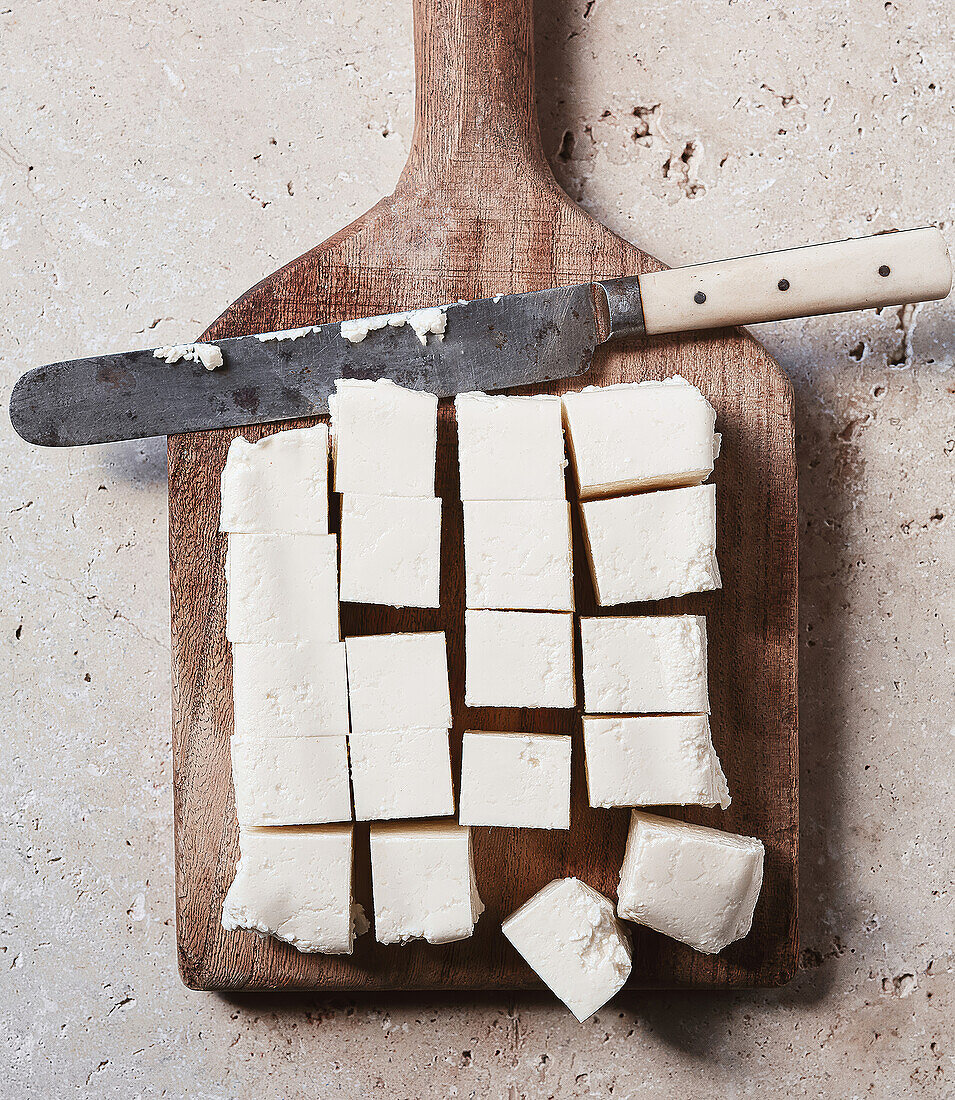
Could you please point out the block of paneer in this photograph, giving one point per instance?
(286, 689)
(401, 774)
(653, 545)
(517, 555)
(519, 659)
(278, 485)
(640, 435)
(510, 448)
(296, 884)
(391, 550)
(515, 780)
(282, 588)
(423, 882)
(398, 682)
(644, 664)
(694, 884)
(653, 760)
(291, 780)
(384, 438)
(568, 934)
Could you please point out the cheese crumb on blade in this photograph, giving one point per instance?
(291, 780)
(652, 546)
(401, 774)
(398, 682)
(517, 555)
(694, 884)
(296, 884)
(653, 760)
(568, 934)
(278, 485)
(288, 689)
(423, 882)
(391, 550)
(209, 355)
(515, 780)
(431, 321)
(282, 588)
(644, 664)
(519, 659)
(510, 448)
(640, 435)
(384, 438)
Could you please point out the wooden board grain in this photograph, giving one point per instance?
(475, 213)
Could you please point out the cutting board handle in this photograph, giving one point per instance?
(475, 104)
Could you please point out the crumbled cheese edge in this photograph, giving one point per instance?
(209, 355)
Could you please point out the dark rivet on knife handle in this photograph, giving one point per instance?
(699, 297)
(783, 284)
(885, 271)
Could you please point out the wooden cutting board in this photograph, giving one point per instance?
(475, 213)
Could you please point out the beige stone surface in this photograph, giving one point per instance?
(156, 158)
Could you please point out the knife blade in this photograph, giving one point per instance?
(489, 344)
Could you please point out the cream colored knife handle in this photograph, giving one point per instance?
(889, 269)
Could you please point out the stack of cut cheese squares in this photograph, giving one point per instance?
(305, 702)
(519, 592)
(289, 748)
(312, 711)
(641, 453)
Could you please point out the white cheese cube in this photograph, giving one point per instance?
(404, 773)
(291, 780)
(282, 588)
(510, 448)
(296, 884)
(655, 760)
(398, 682)
(694, 884)
(645, 664)
(652, 546)
(640, 435)
(569, 935)
(278, 485)
(423, 882)
(517, 555)
(391, 550)
(519, 659)
(516, 780)
(289, 689)
(384, 438)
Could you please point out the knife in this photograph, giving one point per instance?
(490, 344)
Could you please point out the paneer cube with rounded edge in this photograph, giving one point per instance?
(568, 934)
(423, 882)
(296, 884)
(694, 884)
(653, 760)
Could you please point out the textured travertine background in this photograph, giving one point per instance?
(156, 158)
